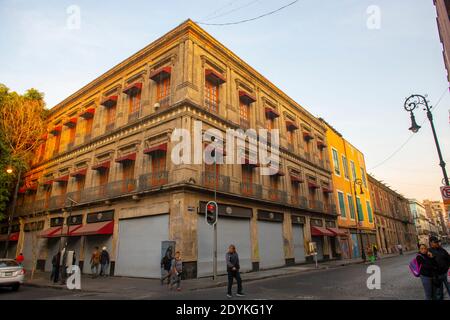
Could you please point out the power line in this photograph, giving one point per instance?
(410, 137)
(231, 11)
(251, 19)
(229, 4)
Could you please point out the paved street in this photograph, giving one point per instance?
(348, 282)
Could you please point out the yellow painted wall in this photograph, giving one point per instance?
(346, 185)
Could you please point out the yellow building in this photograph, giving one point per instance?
(351, 191)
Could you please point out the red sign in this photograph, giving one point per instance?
(445, 191)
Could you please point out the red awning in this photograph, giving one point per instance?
(12, 237)
(327, 190)
(110, 101)
(71, 122)
(106, 227)
(88, 113)
(161, 147)
(79, 173)
(214, 76)
(48, 182)
(338, 232)
(128, 157)
(246, 97)
(161, 74)
(133, 88)
(48, 233)
(62, 178)
(101, 166)
(307, 136)
(321, 231)
(22, 189)
(321, 145)
(56, 130)
(297, 179)
(271, 113)
(312, 185)
(32, 186)
(291, 126)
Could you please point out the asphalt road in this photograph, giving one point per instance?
(347, 282)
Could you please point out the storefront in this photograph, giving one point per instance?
(320, 235)
(139, 246)
(233, 227)
(33, 244)
(13, 239)
(298, 223)
(270, 239)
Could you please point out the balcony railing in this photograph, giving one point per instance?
(219, 182)
(57, 202)
(87, 137)
(211, 105)
(164, 102)
(244, 123)
(251, 189)
(300, 201)
(316, 205)
(330, 208)
(307, 156)
(110, 127)
(70, 145)
(118, 188)
(152, 180)
(290, 147)
(277, 195)
(134, 116)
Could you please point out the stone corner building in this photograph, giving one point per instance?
(393, 218)
(103, 175)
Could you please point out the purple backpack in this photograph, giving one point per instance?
(415, 267)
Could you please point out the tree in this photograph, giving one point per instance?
(22, 121)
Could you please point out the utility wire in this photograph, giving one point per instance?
(251, 19)
(231, 11)
(411, 136)
(215, 12)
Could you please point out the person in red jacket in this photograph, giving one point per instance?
(20, 258)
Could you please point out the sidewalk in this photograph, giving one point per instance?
(153, 286)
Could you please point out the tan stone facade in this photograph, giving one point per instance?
(443, 22)
(107, 159)
(393, 219)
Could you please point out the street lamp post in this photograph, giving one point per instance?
(13, 207)
(359, 183)
(416, 101)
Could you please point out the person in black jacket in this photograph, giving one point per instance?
(232, 260)
(428, 271)
(104, 262)
(443, 263)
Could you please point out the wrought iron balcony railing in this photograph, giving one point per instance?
(244, 123)
(56, 202)
(110, 127)
(164, 102)
(152, 180)
(300, 201)
(277, 195)
(134, 116)
(211, 181)
(316, 205)
(251, 189)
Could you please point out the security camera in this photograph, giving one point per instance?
(156, 106)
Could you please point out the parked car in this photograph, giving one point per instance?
(11, 274)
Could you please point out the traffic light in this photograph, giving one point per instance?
(211, 212)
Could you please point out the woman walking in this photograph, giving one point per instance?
(428, 271)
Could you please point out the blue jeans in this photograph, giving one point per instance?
(94, 267)
(428, 287)
(103, 269)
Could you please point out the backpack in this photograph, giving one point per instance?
(415, 267)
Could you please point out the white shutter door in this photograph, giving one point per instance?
(299, 248)
(271, 252)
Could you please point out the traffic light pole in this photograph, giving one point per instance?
(217, 218)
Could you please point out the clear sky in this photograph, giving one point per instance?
(321, 53)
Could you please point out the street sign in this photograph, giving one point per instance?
(445, 191)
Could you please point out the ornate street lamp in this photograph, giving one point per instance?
(358, 182)
(417, 101)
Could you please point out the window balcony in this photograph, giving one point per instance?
(57, 202)
(211, 181)
(316, 205)
(307, 156)
(70, 145)
(244, 124)
(300, 201)
(87, 137)
(164, 102)
(211, 106)
(110, 127)
(277, 195)
(251, 190)
(153, 180)
(118, 188)
(290, 147)
(133, 116)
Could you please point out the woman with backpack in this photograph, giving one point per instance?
(427, 270)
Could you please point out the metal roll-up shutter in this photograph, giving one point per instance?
(270, 237)
(90, 243)
(229, 231)
(299, 246)
(53, 245)
(139, 246)
(31, 244)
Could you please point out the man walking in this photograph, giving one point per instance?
(443, 263)
(176, 269)
(104, 262)
(232, 260)
(95, 261)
